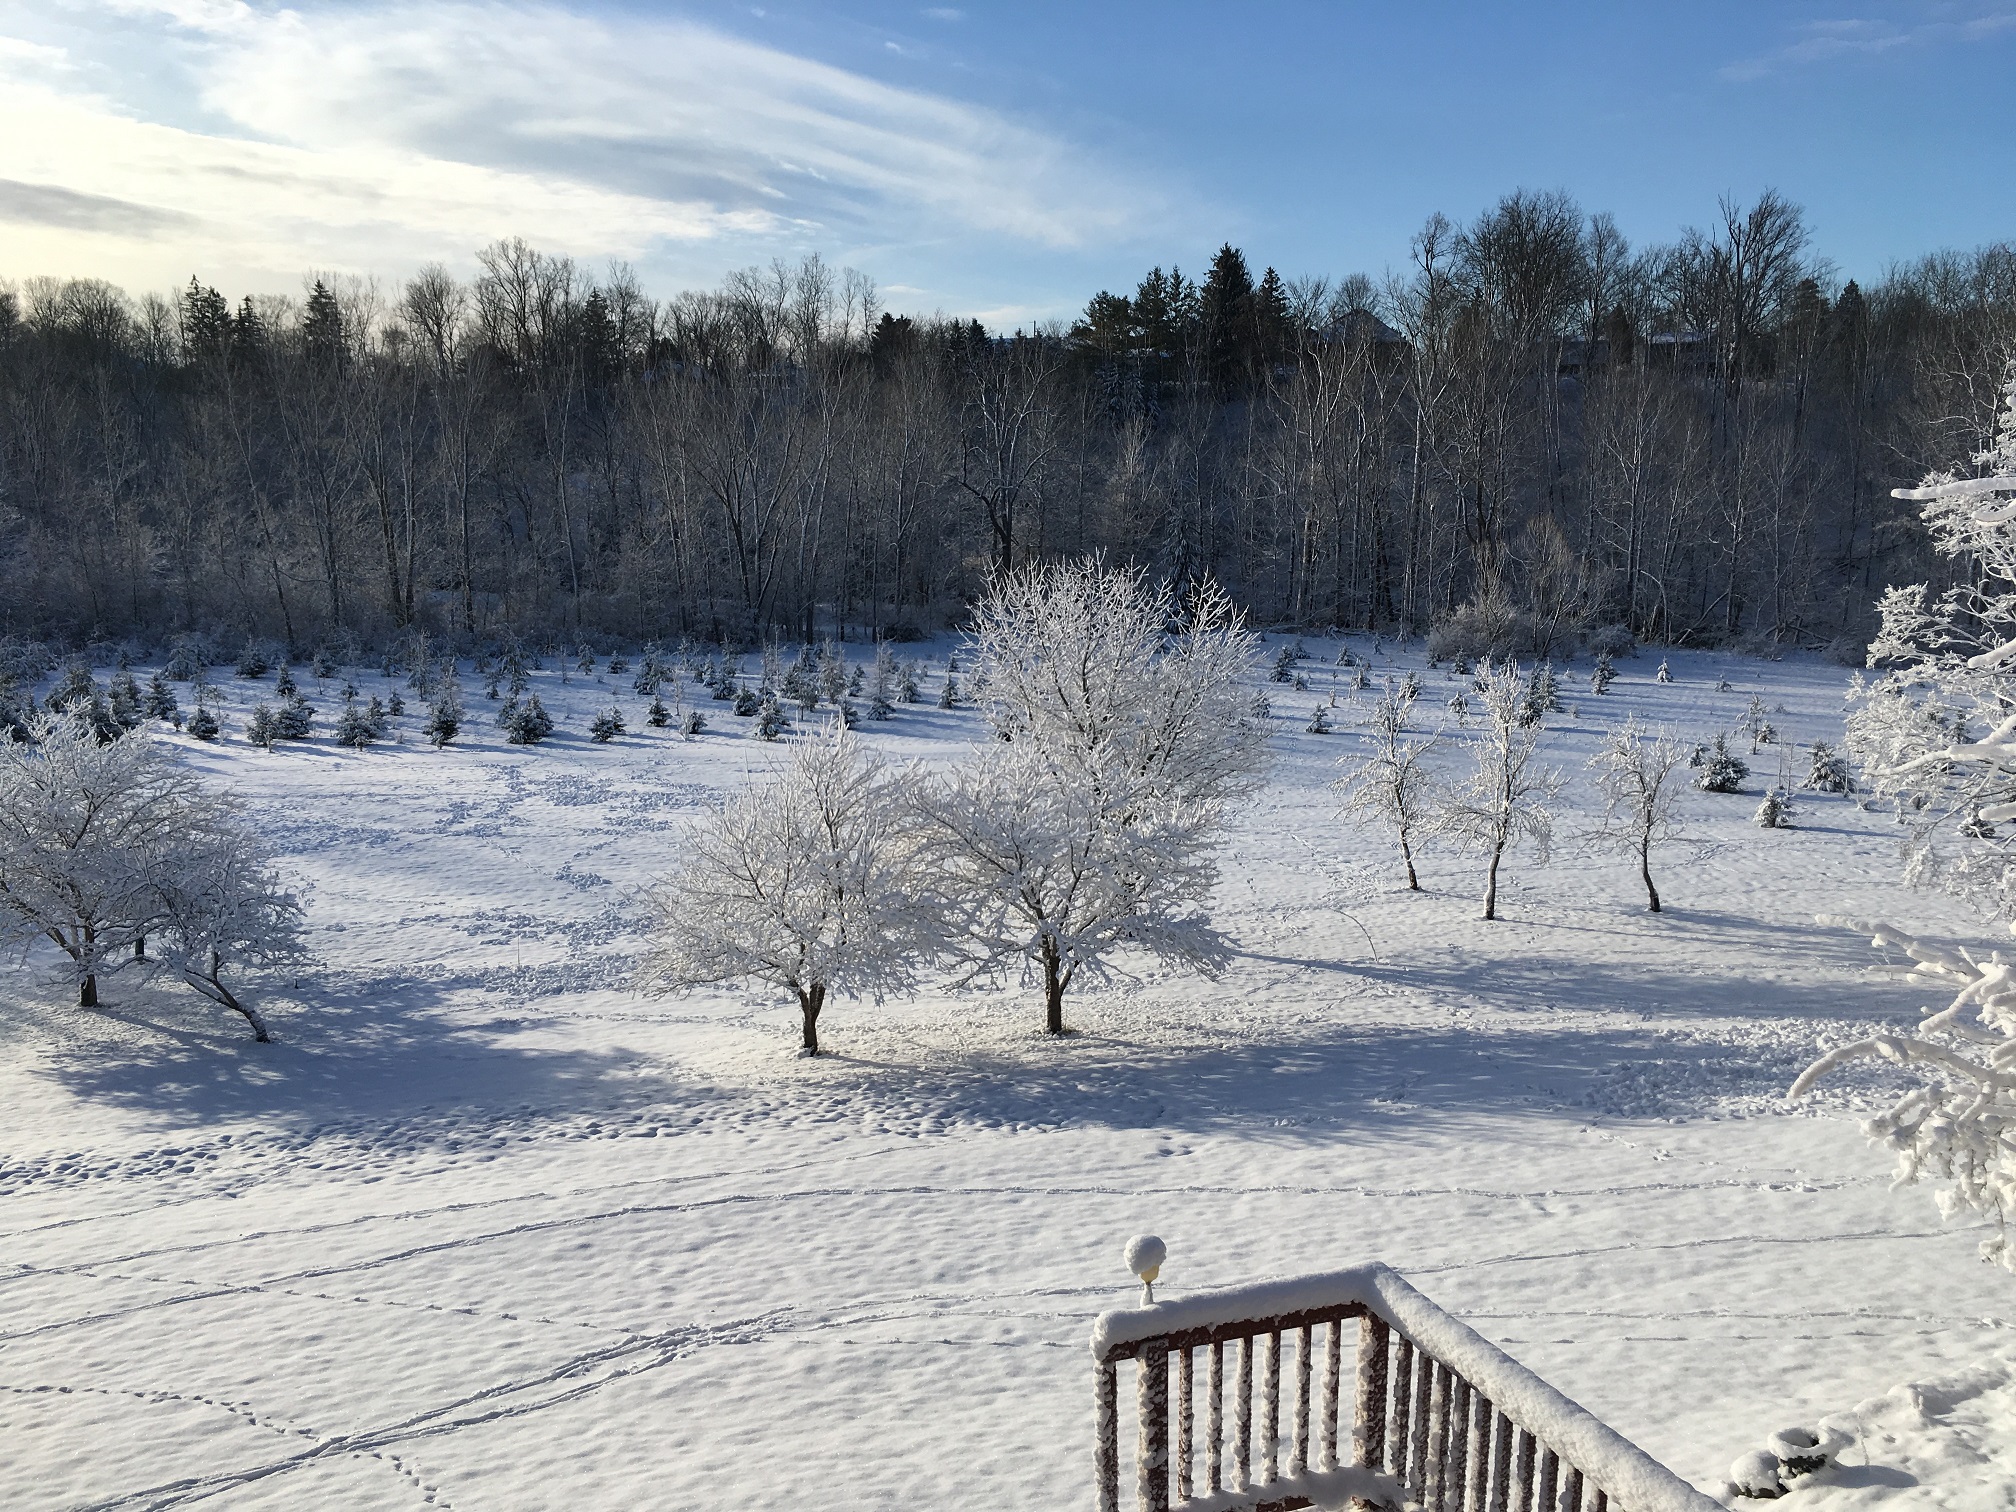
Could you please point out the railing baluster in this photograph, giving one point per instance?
(1435, 1477)
(1183, 1424)
(1485, 1413)
(1501, 1463)
(1403, 1403)
(1215, 1460)
(1458, 1461)
(1417, 1455)
(1242, 1411)
(1573, 1501)
(1152, 1462)
(1271, 1403)
(1333, 1373)
(1522, 1472)
(1298, 1453)
(1368, 1430)
(1602, 1502)
(1550, 1479)
(1106, 1438)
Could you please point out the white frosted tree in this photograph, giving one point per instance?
(1122, 732)
(1640, 773)
(224, 910)
(1392, 784)
(1936, 736)
(807, 880)
(1052, 864)
(1507, 797)
(88, 831)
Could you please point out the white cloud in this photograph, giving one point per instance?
(1817, 42)
(379, 136)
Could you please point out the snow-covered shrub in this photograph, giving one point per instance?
(948, 694)
(1284, 665)
(1602, 675)
(1541, 695)
(692, 723)
(203, 724)
(324, 664)
(285, 686)
(1393, 784)
(1828, 771)
(748, 702)
(1755, 1475)
(1319, 720)
(1774, 812)
(606, 726)
(294, 718)
(1721, 769)
(807, 881)
(1637, 772)
(1507, 797)
(1612, 641)
(1489, 629)
(770, 720)
(658, 716)
(160, 702)
(1665, 673)
(187, 658)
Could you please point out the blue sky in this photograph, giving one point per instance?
(991, 159)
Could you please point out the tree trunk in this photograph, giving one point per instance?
(211, 985)
(1055, 980)
(87, 991)
(1407, 855)
(810, 1001)
(140, 948)
(1645, 871)
(1491, 884)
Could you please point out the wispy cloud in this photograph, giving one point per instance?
(1817, 42)
(394, 132)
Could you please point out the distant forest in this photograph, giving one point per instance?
(1531, 424)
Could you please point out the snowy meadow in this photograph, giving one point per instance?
(484, 1226)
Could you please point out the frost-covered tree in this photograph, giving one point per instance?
(1774, 812)
(1638, 774)
(1508, 796)
(606, 726)
(529, 723)
(1720, 770)
(203, 724)
(160, 702)
(444, 713)
(1959, 1124)
(1602, 674)
(1393, 784)
(89, 832)
(1828, 770)
(1089, 821)
(225, 910)
(806, 881)
(1946, 669)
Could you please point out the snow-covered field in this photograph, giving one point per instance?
(485, 1229)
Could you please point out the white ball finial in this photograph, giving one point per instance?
(1145, 1254)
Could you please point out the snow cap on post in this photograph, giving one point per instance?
(1145, 1254)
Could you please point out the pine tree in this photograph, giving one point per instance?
(160, 701)
(444, 715)
(948, 695)
(1771, 813)
(1602, 674)
(262, 729)
(203, 724)
(659, 716)
(529, 723)
(285, 686)
(770, 720)
(354, 728)
(692, 723)
(396, 705)
(294, 718)
(1722, 770)
(1829, 771)
(252, 660)
(1665, 674)
(1319, 721)
(606, 726)
(322, 326)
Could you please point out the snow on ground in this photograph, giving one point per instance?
(485, 1229)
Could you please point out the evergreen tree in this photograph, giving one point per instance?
(692, 723)
(1722, 770)
(295, 718)
(262, 729)
(354, 728)
(252, 660)
(1772, 812)
(529, 723)
(1225, 318)
(322, 326)
(206, 324)
(1603, 674)
(660, 716)
(203, 724)
(770, 720)
(444, 714)
(160, 701)
(606, 726)
(1829, 771)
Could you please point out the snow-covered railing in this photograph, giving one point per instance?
(1439, 1416)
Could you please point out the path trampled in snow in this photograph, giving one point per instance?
(485, 1229)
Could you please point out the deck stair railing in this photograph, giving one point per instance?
(1433, 1415)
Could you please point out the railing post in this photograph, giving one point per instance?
(1242, 1412)
(1434, 1473)
(1333, 1372)
(1152, 1462)
(1403, 1407)
(1215, 1461)
(1368, 1432)
(1550, 1480)
(1183, 1424)
(1501, 1462)
(1417, 1455)
(1298, 1452)
(1106, 1437)
(1459, 1447)
(1271, 1402)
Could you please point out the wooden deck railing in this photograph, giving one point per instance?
(1436, 1415)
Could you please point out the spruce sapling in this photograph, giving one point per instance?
(1722, 770)
(203, 724)
(262, 729)
(659, 716)
(606, 726)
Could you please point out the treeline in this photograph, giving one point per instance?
(1531, 428)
